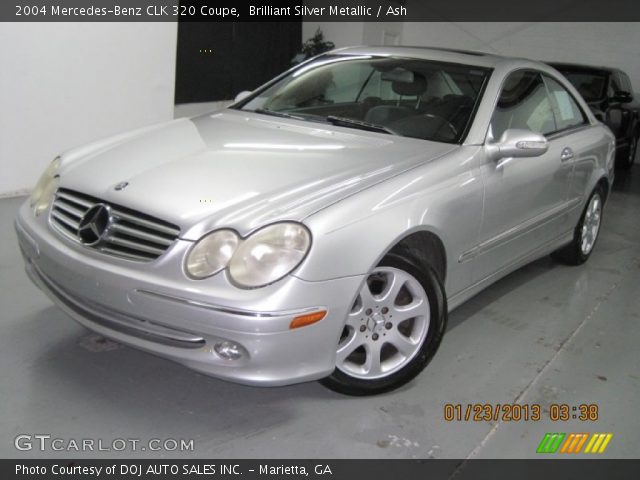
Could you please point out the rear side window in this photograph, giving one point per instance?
(524, 104)
(626, 82)
(568, 113)
(614, 86)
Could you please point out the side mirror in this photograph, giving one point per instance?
(622, 97)
(241, 96)
(517, 142)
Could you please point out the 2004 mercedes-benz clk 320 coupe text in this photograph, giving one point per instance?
(323, 225)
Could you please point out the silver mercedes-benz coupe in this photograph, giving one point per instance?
(323, 225)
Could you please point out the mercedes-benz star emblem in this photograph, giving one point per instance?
(120, 186)
(95, 224)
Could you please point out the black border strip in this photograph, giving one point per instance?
(542, 469)
(319, 10)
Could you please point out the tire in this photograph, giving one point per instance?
(625, 157)
(631, 153)
(403, 345)
(586, 232)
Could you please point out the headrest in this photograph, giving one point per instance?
(416, 86)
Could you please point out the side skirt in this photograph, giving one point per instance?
(459, 298)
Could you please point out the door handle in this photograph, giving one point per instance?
(567, 154)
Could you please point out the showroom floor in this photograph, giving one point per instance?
(545, 334)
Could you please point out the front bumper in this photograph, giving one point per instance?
(156, 308)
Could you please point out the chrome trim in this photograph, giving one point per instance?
(518, 230)
(468, 255)
(568, 131)
(73, 199)
(230, 310)
(140, 234)
(130, 234)
(68, 221)
(120, 215)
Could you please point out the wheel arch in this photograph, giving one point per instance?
(426, 248)
(603, 183)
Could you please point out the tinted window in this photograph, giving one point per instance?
(614, 85)
(567, 112)
(524, 104)
(590, 85)
(626, 83)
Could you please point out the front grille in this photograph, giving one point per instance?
(130, 234)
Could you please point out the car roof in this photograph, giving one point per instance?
(467, 57)
(581, 66)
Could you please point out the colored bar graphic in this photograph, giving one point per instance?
(581, 442)
(598, 443)
(542, 448)
(573, 443)
(550, 443)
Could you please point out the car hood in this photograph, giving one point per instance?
(239, 170)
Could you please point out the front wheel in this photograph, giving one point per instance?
(393, 330)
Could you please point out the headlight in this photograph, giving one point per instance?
(45, 188)
(211, 253)
(269, 254)
(264, 257)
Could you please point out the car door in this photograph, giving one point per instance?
(524, 197)
(614, 115)
(587, 149)
(627, 118)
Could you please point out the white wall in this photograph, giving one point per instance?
(65, 84)
(346, 34)
(603, 43)
(343, 34)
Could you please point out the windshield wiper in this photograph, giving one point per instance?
(350, 122)
(275, 113)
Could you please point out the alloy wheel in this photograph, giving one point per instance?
(386, 327)
(632, 151)
(591, 224)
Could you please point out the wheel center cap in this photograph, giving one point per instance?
(376, 320)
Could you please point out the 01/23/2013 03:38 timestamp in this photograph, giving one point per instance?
(516, 412)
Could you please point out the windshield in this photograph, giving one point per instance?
(408, 97)
(591, 86)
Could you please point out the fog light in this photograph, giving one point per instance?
(228, 350)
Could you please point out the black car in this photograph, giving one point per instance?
(609, 93)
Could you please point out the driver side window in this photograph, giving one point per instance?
(523, 104)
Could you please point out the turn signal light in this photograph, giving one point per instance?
(308, 319)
